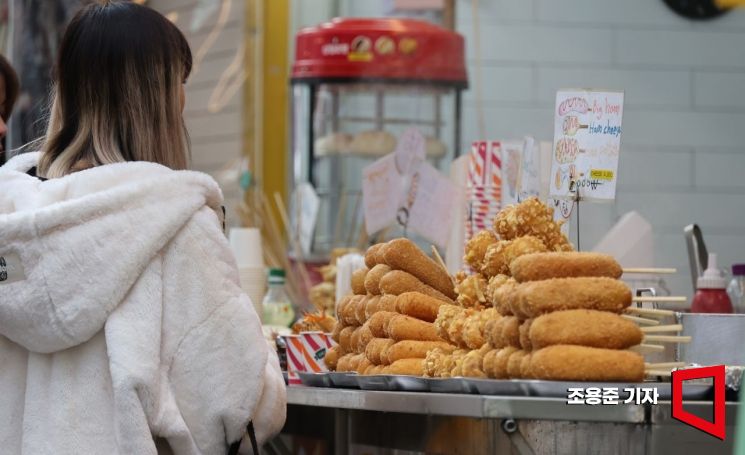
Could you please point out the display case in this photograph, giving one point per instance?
(357, 85)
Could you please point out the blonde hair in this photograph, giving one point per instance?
(117, 92)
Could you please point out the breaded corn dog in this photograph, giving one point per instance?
(525, 335)
(375, 369)
(372, 279)
(331, 358)
(337, 331)
(371, 307)
(403, 254)
(375, 348)
(407, 367)
(504, 296)
(345, 339)
(417, 305)
(525, 372)
(605, 294)
(501, 360)
(582, 363)
(476, 248)
(599, 329)
(501, 254)
(344, 363)
(363, 365)
(514, 364)
(378, 323)
(506, 332)
(354, 340)
(412, 349)
(358, 281)
(364, 337)
(388, 303)
(359, 311)
(348, 314)
(398, 282)
(401, 327)
(371, 256)
(544, 266)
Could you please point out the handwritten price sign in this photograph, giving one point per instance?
(587, 141)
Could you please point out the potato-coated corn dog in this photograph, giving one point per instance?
(476, 248)
(501, 254)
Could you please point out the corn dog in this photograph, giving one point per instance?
(407, 367)
(372, 279)
(500, 254)
(371, 256)
(364, 337)
(363, 365)
(501, 361)
(387, 303)
(398, 282)
(489, 362)
(375, 369)
(337, 331)
(472, 366)
(403, 254)
(401, 327)
(375, 348)
(472, 292)
(358, 281)
(345, 363)
(514, 364)
(417, 305)
(445, 316)
(476, 248)
(506, 332)
(525, 335)
(331, 358)
(354, 340)
(345, 339)
(412, 349)
(504, 296)
(495, 283)
(582, 363)
(605, 294)
(525, 372)
(473, 329)
(340, 307)
(378, 322)
(543, 266)
(359, 311)
(372, 306)
(531, 217)
(599, 329)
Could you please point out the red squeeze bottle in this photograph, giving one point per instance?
(711, 295)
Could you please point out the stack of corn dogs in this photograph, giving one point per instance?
(386, 326)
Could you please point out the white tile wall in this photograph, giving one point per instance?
(683, 146)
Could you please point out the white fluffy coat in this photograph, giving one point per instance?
(129, 323)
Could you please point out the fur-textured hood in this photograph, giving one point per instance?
(72, 247)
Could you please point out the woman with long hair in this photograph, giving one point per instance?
(9, 88)
(123, 328)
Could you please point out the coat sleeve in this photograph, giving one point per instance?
(222, 372)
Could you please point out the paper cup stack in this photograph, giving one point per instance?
(246, 246)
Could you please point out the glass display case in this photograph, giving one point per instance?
(357, 85)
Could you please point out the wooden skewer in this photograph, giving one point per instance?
(638, 320)
(641, 348)
(658, 373)
(650, 270)
(445, 267)
(655, 366)
(650, 311)
(663, 328)
(659, 298)
(668, 338)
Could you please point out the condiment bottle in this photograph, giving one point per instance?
(277, 305)
(711, 296)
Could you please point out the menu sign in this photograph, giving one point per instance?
(587, 141)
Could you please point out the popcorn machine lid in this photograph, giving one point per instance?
(381, 49)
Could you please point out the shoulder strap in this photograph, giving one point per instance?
(233, 449)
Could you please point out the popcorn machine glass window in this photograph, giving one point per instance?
(357, 85)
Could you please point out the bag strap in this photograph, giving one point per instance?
(233, 449)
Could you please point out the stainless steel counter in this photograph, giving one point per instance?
(358, 421)
(477, 406)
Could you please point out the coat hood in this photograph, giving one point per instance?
(72, 247)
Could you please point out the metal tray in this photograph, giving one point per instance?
(559, 389)
(507, 387)
(373, 382)
(452, 385)
(343, 380)
(408, 383)
(315, 379)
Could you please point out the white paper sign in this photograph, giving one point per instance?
(305, 204)
(512, 152)
(410, 150)
(431, 200)
(587, 141)
(382, 187)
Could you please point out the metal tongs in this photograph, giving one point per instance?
(698, 256)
